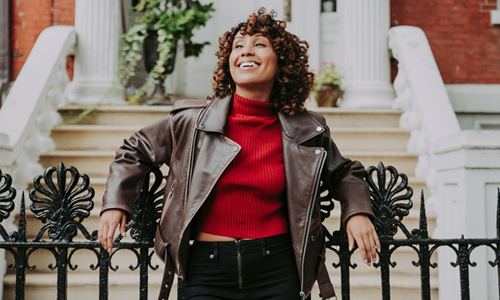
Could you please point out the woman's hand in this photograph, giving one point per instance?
(360, 230)
(107, 227)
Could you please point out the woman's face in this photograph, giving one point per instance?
(253, 63)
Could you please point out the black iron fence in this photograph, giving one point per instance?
(62, 199)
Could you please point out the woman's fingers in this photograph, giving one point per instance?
(110, 220)
(360, 229)
(109, 238)
(123, 225)
(350, 240)
(376, 244)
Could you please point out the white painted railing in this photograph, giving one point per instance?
(421, 93)
(30, 110)
(461, 168)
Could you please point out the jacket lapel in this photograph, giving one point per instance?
(213, 153)
(302, 168)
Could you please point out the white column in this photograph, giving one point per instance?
(367, 77)
(98, 27)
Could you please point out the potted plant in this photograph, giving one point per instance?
(155, 35)
(327, 85)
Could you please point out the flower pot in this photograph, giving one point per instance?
(328, 95)
(151, 55)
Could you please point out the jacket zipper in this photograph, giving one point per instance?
(306, 237)
(191, 159)
(191, 171)
(171, 191)
(190, 174)
(238, 253)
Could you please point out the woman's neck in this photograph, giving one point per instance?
(254, 93)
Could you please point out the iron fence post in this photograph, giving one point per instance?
(62, 273)
(144, 265)
(463, 261)
(103, 274)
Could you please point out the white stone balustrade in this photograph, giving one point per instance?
(30, 110)
(421, 93)
(461, 168)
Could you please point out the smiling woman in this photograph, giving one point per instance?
(244, 177)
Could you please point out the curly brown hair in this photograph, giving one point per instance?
(293, 82)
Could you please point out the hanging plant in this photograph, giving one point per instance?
(168, 21)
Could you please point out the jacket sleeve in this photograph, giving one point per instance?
(346, 180)
(148, 148)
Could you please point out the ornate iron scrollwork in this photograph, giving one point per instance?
(7, 196)
(147, 210)
(326, 200)
(391, 202)
(62, 205)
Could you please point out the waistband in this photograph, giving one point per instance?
(267, 243)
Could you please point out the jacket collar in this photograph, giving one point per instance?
(299, 128)
(215, 115)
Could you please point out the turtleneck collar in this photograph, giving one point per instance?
(249, 107)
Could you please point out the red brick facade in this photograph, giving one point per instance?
(465, 45)
(29, 19)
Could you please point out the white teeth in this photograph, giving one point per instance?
(247, 65)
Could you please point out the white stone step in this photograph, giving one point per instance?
(109, 137)
(143, 115)
(126, 287)
(85, 286)
(373, 139)
(403, 161)
(341, 117)
(116, 115)
(92, 137)
(92, 162)
(369, 287)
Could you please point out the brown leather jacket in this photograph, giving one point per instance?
(192, 143)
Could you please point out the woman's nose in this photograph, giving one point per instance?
(247, 50)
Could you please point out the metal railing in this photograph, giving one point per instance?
(62, 199)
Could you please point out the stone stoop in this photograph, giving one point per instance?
(369, 135)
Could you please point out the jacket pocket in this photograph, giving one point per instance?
(315, 231)
(160, 246)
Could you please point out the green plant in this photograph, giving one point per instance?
(327, 74)
(172, 20)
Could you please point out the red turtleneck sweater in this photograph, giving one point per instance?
(248, 201)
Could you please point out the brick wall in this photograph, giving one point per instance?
(29, 19)
(466, 47)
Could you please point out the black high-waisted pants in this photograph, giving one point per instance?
(244, 269)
